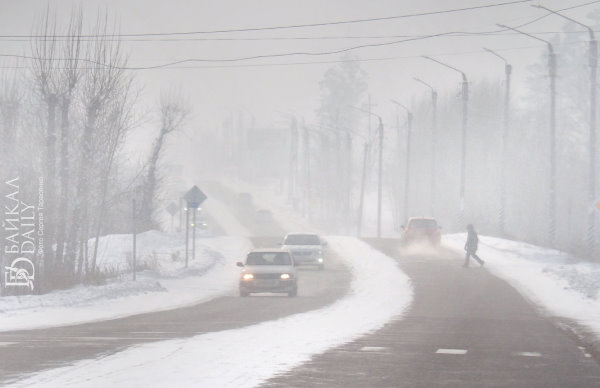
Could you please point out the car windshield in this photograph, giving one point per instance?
(422, 224)
(302, 239)
(268, 258)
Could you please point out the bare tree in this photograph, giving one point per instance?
(45, 75)
(11, 101)
(69, 79)
(173, 113)
(103, 81)
(116, 124)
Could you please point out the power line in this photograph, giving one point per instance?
(456, 53)
(299, 53)
(349, 37)
(310, 25)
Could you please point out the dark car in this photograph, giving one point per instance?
(421, 229)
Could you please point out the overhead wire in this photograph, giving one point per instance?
(293, 26)
(174, 64)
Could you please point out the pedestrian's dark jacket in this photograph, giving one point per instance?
(472, 241)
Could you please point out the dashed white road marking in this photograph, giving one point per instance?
(451, 351)
(6, 343)
(528, 354)
(372, 349)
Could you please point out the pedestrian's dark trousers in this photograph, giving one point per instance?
(469, 254)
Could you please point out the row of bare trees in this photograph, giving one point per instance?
(66, 120)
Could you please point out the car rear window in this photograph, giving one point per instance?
(302, 239)
(268, 258)
(422, 224)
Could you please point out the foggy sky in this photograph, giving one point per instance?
(269, 93)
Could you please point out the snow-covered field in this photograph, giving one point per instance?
(557, 283)
(245, 357)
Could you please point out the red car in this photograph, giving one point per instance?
(421, 229)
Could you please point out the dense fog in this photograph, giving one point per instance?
(103, 112)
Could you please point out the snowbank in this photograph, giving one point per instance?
(248, 356)
(167, 285)
(550, 279)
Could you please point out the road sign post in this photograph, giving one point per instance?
(194, 197)
(172, 209)
(187, 233)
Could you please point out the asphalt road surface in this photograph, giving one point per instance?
(465, 328)
(30, 351)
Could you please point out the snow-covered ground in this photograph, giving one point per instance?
(557, 283)
(552, 280)
(245, 357)
(166, 285)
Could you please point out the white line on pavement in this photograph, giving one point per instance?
(528, 354)
(372, 348)
(451, 351)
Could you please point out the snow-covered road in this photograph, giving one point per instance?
(559, 284)
(244, 357)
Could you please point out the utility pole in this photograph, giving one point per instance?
(363, 181)
(293, 167)
(134, 232)
(380, 169)
(463, 158)
(194, 233)
(181, 213)
(505, 130)
(407, 163)
(399, 145)
(306, 145)
(380, 178)
(187, 233)
(434, 97)
(552, 190)
(593, 63)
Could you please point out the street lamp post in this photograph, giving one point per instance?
(187, 233)
(134, 233)
(362, 189)
(552, 76)
(463, 159)
(434, 96)
(593, 63)
(137, 191)
(380, 168)
(380, 177)
(407, 163)
(506, 124)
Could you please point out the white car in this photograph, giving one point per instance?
(269, 270)
(307, 248)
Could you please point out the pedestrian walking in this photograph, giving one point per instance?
(471, 246)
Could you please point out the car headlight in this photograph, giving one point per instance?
(248, 276)
(320, 260)
(285, 276)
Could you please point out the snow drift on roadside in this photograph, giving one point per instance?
(550, 279)
(167, 286)
(248, 356)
